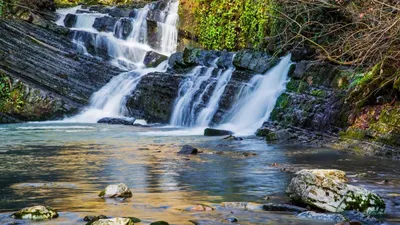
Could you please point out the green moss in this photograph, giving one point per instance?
(231, 25)
(370, 204)
(318, 93)
(102, 193)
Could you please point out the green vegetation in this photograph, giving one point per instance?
(232, 25)
(11, 95)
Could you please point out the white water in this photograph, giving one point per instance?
(258, 100)
(207, 113)
(169, 36)
(110, 101)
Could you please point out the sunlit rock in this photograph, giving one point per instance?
(35, 213)
(116, 191)
(327, 190)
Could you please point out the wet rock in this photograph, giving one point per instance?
(325, 189)
(154, 97)
(159, 223)
(124, 28)
(120, 11)
(116, 191)
(282, 207)
(91, 219)
(255, 61)
(233, 138)
(105, 23)
(243, 205)
(322, 216)
(175, 61)
(188, 150)
(216, 132)
(114, 221)
(232, 220)
(281, 135)
(153, 59)
(361, 217)
(350, 223)
(35, 213)
(109, 120)
(70, 20)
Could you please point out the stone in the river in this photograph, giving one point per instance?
(202, 208)
(188, 150)
(243, 205)
(216, 132)
(233, 138)
(70, 20)
(282, 207)
(159, 223)
(110, 120)
(91, 218)
(116, 191)
(35, 213)
(327, 190)
(120, 11)
(114, 221)
(153, 59)
(322, 216)
(232, 220)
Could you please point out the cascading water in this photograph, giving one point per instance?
(257, 100)
(169, 32)
(125, 51)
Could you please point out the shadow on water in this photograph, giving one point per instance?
(66, 166)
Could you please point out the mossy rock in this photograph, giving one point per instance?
(36, 213)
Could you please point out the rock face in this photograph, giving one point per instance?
(327, 190)
(105, 23)
(116, 191)
(70, 20)
(154, 97)
(36, 213)
(43, 66)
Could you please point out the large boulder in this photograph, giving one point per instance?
(327, 190)
(35, 213)
(70, 20)
(216, 132)
(116, 191)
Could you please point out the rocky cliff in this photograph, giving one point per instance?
(42, 75)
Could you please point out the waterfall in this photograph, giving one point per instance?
(257, 100)
(169, 32)
(125, 50)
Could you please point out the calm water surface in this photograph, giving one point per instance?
(66, 165)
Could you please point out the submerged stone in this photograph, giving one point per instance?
(282, 207)
(116, 191)
(159, 223)
(35, 213)
(216, 132)
(322, 216)
(91, 218)
(188, 150)
(325, 189)
(114, 221)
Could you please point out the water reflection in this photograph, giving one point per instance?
(48, 164)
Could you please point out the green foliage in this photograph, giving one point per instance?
(11, 96)
(233, 24)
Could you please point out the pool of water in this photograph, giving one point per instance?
(66, 165)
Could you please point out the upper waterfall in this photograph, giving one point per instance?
(126, 45)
